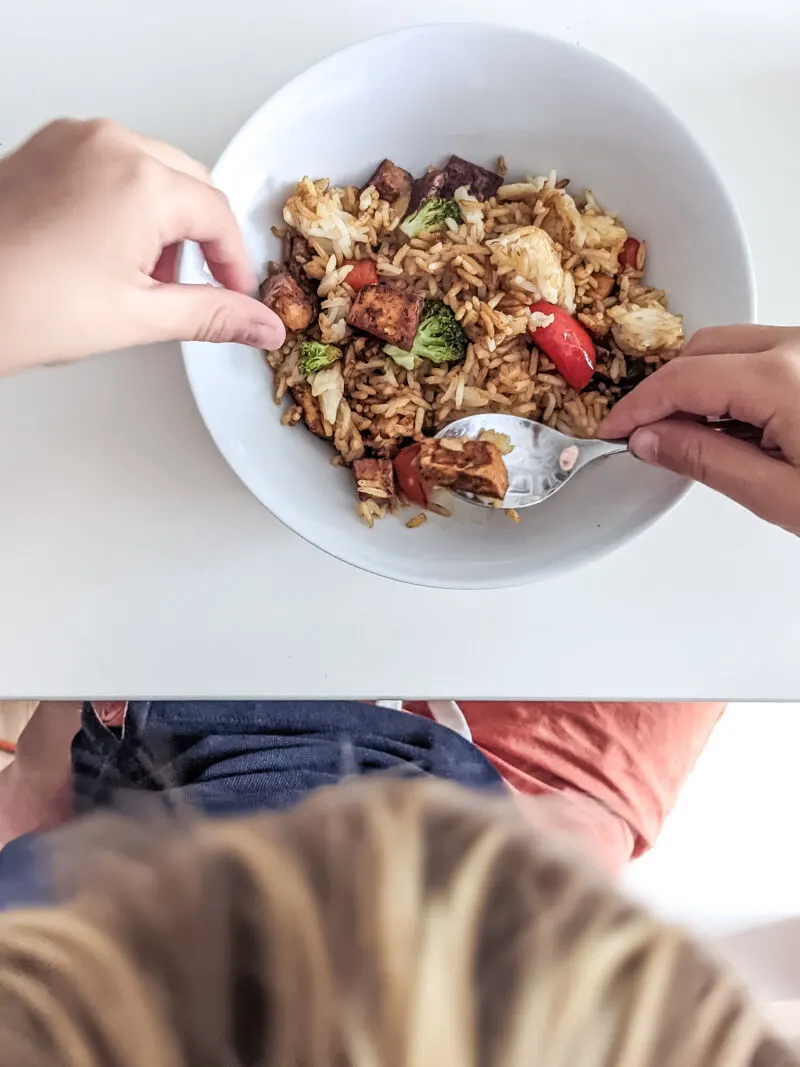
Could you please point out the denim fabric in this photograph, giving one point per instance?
(226, 757)
(25, 872)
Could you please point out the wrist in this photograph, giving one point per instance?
(29, 805)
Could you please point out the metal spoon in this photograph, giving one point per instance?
(543, 460)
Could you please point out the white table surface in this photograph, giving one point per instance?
(132, 562)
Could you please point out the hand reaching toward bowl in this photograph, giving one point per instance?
(91, 219)
(751, 373)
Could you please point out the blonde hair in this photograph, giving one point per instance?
(383, 924)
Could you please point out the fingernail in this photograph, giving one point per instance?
(644, 445)
(270, 334)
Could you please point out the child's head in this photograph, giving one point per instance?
(382, 924)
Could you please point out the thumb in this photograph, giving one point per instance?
(768, 487)
(209, 313)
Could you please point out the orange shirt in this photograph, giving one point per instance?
(627, 762)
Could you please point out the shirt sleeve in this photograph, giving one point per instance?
(632, 759)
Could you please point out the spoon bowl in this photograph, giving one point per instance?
(541, 462)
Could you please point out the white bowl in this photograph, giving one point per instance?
(477, 90)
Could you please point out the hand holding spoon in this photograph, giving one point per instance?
(543, 460)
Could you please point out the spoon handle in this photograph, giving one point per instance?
(742, 431)
(594, 448)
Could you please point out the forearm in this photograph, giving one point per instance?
(36, 790)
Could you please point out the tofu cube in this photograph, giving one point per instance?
(374, 480)
(464, 465)
(391, 181)
(294, 305)
(387, 313)
(309, 407)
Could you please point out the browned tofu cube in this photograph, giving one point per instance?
(431, 183)
(481, 183)
(296, 253)
(464, 465)
(391, 181)
(309, 406)
(294, 305)
(387, 313)
(374, 480)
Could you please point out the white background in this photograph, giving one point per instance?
(133, 563)
(726, 861)
(727, 857)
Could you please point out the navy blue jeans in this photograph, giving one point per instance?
(227, 757)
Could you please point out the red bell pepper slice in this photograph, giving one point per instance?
(364, 273)
(567, 344)
(413, 485)
(627, 257)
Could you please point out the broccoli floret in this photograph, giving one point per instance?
(401, 357)
(314, 355)
(431, 215)
(439, 338)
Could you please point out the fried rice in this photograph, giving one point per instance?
(534, 240)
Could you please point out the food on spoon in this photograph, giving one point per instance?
(439, 338)
(464, 465)
(391, 181)
(564, 340)
(500, 440)
(387, 313)
(294, 305)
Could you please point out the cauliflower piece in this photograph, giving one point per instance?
(563, 222)
(328, 386)
(527, 190)
(471, 209)
(316, 211)
(644, 331)
(501, 441)
(333, 319)
(538, 320)
(529, 255)
(603, 242)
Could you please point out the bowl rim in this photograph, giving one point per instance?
(587, 555)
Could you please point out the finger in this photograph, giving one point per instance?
(712, 386)
(206, 313)
(199, 212)
(166, 268)
(768, 487)
(170, 156)
(728, 339)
